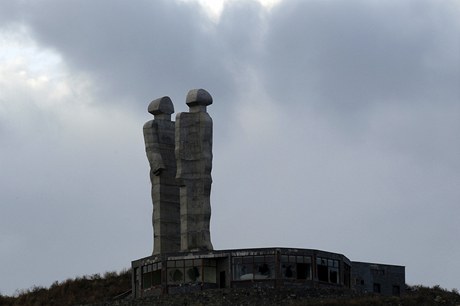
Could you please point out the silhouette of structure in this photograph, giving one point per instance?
(194, 164)
(159, 137)
(183, 259)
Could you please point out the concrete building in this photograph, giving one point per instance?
(378, 278)
(240, 268)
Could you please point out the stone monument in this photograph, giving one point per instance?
(159, 137)
(194, 164)
(183, 260)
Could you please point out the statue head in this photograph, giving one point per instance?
(161, 106)
(198, 98)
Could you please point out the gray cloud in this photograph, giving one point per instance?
(349, 55)
(159, 46)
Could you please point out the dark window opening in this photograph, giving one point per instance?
(156, 277)
(288, 271)
(253, 267)
(193, 274)
(333, 276)
(303, 271)
(323, 273)
(263, 269)
(147, 280)
(176, 275)
(376, 288)
(396, 290)
(222, 279)
(296, 267)
(347, 275)
(328, 270)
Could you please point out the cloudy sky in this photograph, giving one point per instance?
(336, 127)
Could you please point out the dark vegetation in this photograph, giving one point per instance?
(81, 290)
(108, 289)
(416, 296)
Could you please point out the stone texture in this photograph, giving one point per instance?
(159, 137)
(194, 164)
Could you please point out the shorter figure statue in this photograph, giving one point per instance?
(194, 164)
(159, 137)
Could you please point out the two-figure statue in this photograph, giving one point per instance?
(180, 157)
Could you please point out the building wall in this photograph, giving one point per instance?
(378, 278)
(242, 268)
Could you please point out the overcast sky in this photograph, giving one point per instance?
(336, 127)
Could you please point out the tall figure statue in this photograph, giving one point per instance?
(194, 164)
(159, 140)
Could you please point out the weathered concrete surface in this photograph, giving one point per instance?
(159, 137)
(194, 164)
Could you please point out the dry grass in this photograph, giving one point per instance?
(81, 290)
(101, 289)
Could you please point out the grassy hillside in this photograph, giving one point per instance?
(82, 290)
(101, 290)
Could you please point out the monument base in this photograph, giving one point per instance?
(261, 268)
(239, 268)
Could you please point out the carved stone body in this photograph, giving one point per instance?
(159, 137)
(194, 165)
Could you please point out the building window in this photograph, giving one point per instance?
(253, 267)
(303, 271)
(296, 267)
(263, 267)
(156, 278)
(243, 268)
(191, 271)
(376, 287)
(175, 272)
(328, 270)
(209, 271)
(396, 290)
(192, 275)
(137, 276)
(151, 275)
(146, 280)
(322, 273)
(346, 275)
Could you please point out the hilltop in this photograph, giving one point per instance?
(112, 288)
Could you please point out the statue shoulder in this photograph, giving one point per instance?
(148, 124)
